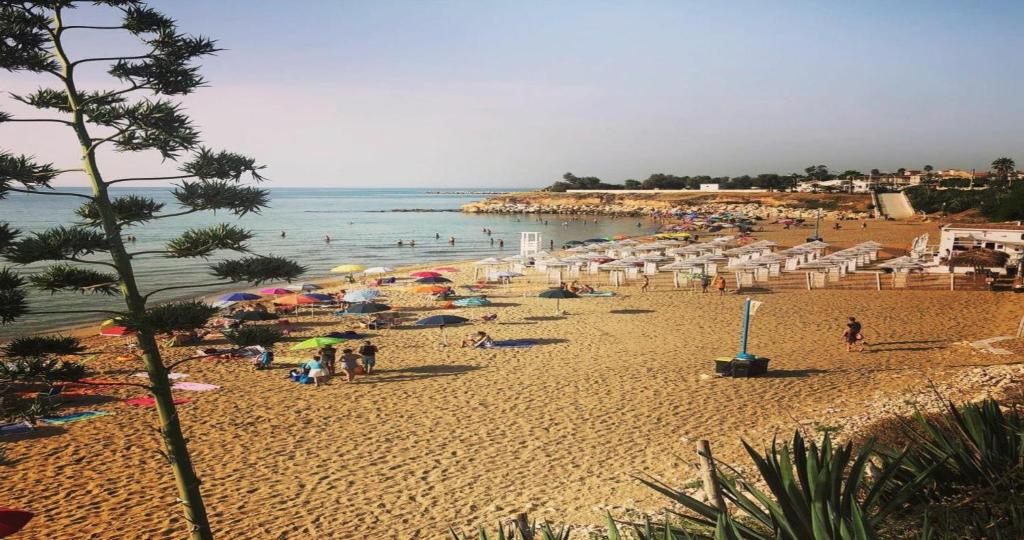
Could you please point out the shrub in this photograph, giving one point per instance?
(250, 335)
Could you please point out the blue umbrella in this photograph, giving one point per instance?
(320, 297)
(471, 301)
(433, 279)
(441, 320)
(362, 295)
(557, 294)
(239, 297)
(364, 308)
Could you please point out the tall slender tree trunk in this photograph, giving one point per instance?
(170, 428)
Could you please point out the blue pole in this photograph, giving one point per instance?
(746, 333)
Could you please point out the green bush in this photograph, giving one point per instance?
(250, 335)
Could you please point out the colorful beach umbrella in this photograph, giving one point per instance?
(12, 521)
(116, 331)
(430, 289)
(424, 274)
(348, 268)
(275, 290)
(317, 342)
(319, 297)
(305, 287)
(433, 279)
(239, 297)
(295, 300)
(362, 295)
(364, 308)
(441, 320)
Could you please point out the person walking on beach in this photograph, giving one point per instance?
(501, 243)
(316, 371)
(705, 282)
(327, 355)
(369, 353)
(348, 364)
(720, 285)
(646, 284)
(853, 334)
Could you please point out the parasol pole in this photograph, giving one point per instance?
(743, 355)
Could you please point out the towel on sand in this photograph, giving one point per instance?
(150, 401)
(513, 344)
(194, 386)
(171, 376)
(597, 293)
(73, 417)
(17, 427)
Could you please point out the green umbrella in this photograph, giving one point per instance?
(317, 342)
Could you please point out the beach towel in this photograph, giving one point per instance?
(171, 376)
(194, 386)
(73, 417)
(17, 427)
(150, 401)
(597, 294)
(512, 344)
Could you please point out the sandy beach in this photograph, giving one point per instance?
(446, 436)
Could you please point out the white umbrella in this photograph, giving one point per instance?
(379, 270)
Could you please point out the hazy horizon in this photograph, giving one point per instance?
(478, 95)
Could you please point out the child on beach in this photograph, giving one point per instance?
(316, 371)
(348, 364)
(853, 334)
(369, 353)
(720, 285)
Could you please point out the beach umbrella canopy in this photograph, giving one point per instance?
(980, 258)
(365, 308)
(558, 295)
(509, 274)
(275, 290)
(319, 297)
(12, 521)
(317, 342)
(296, 299)
(379, 270)
(108, 323)
(239, 297)
(472, 301)
(348, 268)
(253, 316)
(441, 320)
(362, 295)
(424, 273)
(430, 289)
(305, 287)
(448, 269)
(433, 279)
(116, 331)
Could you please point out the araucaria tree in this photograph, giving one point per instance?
(133, 116)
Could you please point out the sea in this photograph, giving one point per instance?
(364, 226)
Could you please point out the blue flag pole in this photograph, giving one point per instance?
(743, 355)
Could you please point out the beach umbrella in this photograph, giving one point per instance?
(319, 297)
(980, 258)
(558, 295)
(433, 279)
(347, 334)
(473, 301)
(295, 300)
(362, 295)
(239, 297)
(305, 287)
(379, 270)
(364, 308)
(12, 521)
(509, 274)
(275, 290)
(108, 323)
(253, 316)
(442, 321)
(424, 273)
(348, 268)
(317, 342)
(447, 269)
(430, 289)
(116, 331)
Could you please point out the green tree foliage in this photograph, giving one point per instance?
(1004, 168)
(252, 334)
(999, 202)
(136, 113)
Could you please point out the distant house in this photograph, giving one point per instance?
(1005, 237)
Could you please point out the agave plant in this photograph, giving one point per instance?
(813, 492)
(512, 532)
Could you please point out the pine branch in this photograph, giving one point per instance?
(193, 286)
(54, 120)
(150, 178)
(150, 252)
(74, 311)
(58, 193)
(88, 27)
(177, 214)
(110, 59)
(83, 261)
(108, 95)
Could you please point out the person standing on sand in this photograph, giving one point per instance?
(720, 285)
(348, 364)
(646, 284)
(316, 371)
(853, 334)
(327, 355)
(705, 282)
(369, 353)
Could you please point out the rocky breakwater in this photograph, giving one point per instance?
(760, 205)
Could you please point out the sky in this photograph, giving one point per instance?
(515, 94)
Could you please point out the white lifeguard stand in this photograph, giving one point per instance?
(529, 243)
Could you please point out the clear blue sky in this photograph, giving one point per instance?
(391, 93)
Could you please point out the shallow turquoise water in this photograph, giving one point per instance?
(359, 222)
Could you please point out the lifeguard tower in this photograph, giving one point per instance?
(529, 243)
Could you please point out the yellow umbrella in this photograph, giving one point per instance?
(348, 269)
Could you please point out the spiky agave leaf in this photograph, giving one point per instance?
(128, 209)
(24, 170)
(142, 20)
(24, 40)
(8, 235)
(156, 125)
(45, 368)
(65, 277)
(203, 242)
(33, 346)
(257, 269)
(209, 165)
(168, 68)
(55, 99)
(56, 244)
(176, 316)
(221, 195)
(13, 302)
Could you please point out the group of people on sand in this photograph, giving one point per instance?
(322, 366)
(579, 288)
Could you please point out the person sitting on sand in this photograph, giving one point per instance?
(586, 289)
(574, 287)
(316, 371)
(264, 360)
(478, 340)
(369, 353)
(348, 364)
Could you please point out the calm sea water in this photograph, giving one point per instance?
(362, 228)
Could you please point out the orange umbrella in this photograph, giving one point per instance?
(295, 299)
(432, 289)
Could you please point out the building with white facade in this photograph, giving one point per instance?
(1005, 237)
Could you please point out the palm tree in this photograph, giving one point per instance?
(1004, 168)
(928, 173)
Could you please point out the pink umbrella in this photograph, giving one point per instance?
(276, 290)
(424, 273)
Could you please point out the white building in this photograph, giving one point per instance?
(1005, 237)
